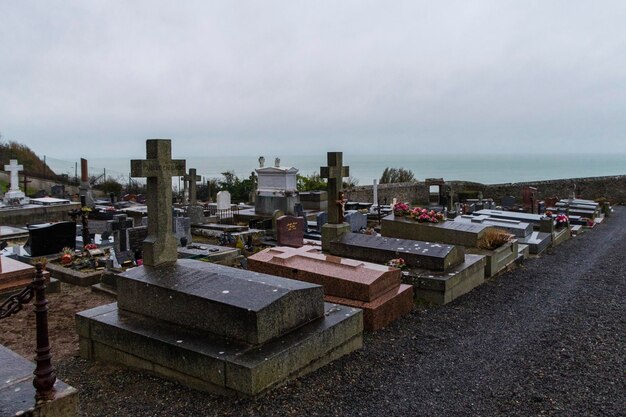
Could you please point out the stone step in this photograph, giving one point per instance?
(228, 302)
(443, 287)
(213, 364)
(378, 249)
(17, 394)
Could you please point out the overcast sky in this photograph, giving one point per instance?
(96, 78)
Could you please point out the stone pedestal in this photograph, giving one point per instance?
(217, 328)
(332, 232)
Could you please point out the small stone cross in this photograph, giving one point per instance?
(159, 168)
(192, 179)
(335, 172)
(14, 168)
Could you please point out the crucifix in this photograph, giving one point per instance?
(14, 168)
(159, 168)
(334, 172)
(192, 179)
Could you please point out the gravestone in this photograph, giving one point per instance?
(434, 256)
(529, 199)
(334, 173)
(136, 236)
(299, 210)
(14, 195)
(84, 190)
(509, 202)
(208, 326)
(356, 220)
(223, 200)
(275, 216)
(374, 288)
(50, 238)
(182, 230)
(321, 218)
(290, 231)
(192, 179)
(160, 245)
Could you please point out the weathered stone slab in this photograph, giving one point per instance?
(451, 233)
(356, 220)
(537, 242)
(374, 288)
(17, 394)
(515, 227)
(561, 235)
(211, 253)
(214, 364)
(534, 219)
(443, 287)
(229, 302)
(435, 256)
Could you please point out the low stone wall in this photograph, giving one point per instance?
(612, 188)
(34, 215)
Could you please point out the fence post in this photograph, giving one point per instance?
(45, 376)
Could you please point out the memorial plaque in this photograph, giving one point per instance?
(290, 231)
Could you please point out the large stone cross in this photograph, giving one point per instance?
(14, 168)
(334, 172)
(192, 179)
(159, 168)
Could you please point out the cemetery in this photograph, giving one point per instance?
(240, 299)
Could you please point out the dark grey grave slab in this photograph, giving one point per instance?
(17, 394)
(322, 219)
(509, 202)
(229, 228)
(136, 236)
(434, 256)
(50, 238)
(229, 302)
(211, 253)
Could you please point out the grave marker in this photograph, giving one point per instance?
(290, 231)
(159, 168)
(334, 173)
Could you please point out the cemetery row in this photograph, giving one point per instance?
(286, 285)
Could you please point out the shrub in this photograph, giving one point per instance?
(494, 238)
(394, 175)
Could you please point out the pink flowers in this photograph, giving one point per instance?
(397, 263)
(91, 246)
(419, 214)
(561, 220)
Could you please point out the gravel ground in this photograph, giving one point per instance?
(548, 338)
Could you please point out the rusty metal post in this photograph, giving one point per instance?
(45, 376)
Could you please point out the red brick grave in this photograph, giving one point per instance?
(374, 288)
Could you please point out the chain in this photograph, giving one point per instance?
(15, 303)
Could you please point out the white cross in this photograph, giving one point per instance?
(14, 168)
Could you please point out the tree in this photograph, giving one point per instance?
(392, 175)
(239, 189)
(312, 182)
(111, 186)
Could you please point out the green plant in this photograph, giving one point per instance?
(394, 175)
(312, 182)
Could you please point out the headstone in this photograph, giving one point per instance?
(136, 236)
(376, 289)
(84, 190)
(290, 231)
(334, 173)
(160, 245)
(182, 230)
(356, 220)
(299, 210)
(434, 256)
(14, 195)
(508, 202)
(50, 238)
(192, 179)
(275, 216)
(322, 219)
(375, 191)
(529, 199)
(223, 200)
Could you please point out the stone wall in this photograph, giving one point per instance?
(610, 187)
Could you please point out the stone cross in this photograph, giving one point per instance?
(334, 172)
(14, 168)
(159, 168)
(192, 179)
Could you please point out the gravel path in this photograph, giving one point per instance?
(546, 339)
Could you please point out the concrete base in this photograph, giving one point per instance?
(497, 259)
(560, 235)
(70, 276)
(443, 287)
(17, 394)
(332, 232)
(209, 363)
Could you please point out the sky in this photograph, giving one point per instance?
(97, 78)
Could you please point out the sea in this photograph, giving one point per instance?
(486, 169)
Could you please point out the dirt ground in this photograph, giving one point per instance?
(18, 331)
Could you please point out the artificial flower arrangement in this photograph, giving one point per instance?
(561, 220)
(417, 213)
(548, 213)
(397, 263)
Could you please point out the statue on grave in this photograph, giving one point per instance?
(341, 203)
(277, 162)
(261, 161)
